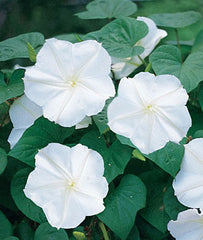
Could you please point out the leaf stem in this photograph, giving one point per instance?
(178, 41)
(142, 60)
(103, 229)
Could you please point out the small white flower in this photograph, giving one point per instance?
(122, 67)
(188, 184)
(188, 226)
(23, 113)
(67, 183)
(84, 123)
(150, 110)
(70, 81)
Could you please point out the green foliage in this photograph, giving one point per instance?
(46, 232)
(136, 208)
(36, 137)
(99, 9)
(172, 206)
(167, 60)
(156, 183)
(17, 47)
(120, 37)
(24, 204)
(122, 204)
(168, 158)
(176, 20)
(13, 88)
(6, 229)
(115, 157)
(24, 231)
(31, 52)
(3, 160)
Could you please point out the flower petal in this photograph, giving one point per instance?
(189, 225)
(23, 112)
(188, 184)
(70, 81)
(143, 112)
(15, 135)
(73, 186)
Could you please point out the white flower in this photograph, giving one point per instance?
(67, 183)
(188, 184)
(150, 110)
(122, 67)
(84, 123)
(188, 226)
(70, 81)
(23, 113)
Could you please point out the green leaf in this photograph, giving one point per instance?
(125, 141)
(99, 9)
(46, 232)
(24, 204)
(11, 238)
(3, 160)
(71, 37)
(6, 228)
(137, 154)
(118, 157)
(172, 206)
(120, 37)
(176, 20)
(198, 44)
(101, 118)
(14, 88)
(168, 158)
(16, 47)
(148, 232)
(122, 205)
(115, 157)
(200, 96)
(31, 52)
(154, 212)
(24, 231)
(36, 137)
(167, 60)
(134, 234)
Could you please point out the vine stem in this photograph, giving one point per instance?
(178, 41)
(143, 61)
(103, 229)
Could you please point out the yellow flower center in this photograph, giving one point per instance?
(70, 184)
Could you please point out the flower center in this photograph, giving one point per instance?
(149, 108)
(70, 184)
(71, 82)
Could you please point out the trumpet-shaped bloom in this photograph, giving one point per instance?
(188, 184)
(123, 67)
(67, 183)
(70, 81)
(23, 112)
(150, 110)
(188, 226)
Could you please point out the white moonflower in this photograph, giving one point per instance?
(150, 110)
(122, 67)
(67, 183)
(188, 184)
(70, 81)
(188, 226)
(23, 112)
(84, 123)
